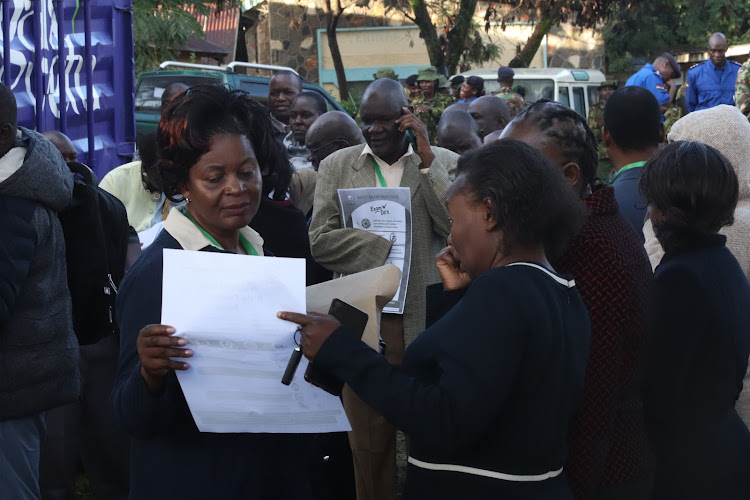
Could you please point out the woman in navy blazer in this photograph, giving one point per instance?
(485, 393)
(214, 146)
(700, 334)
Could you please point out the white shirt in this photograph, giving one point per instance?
(391, 173)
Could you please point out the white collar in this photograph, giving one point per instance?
(368, 151)
(562, 281)
(190, 237)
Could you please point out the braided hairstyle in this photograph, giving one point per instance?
(569, 130)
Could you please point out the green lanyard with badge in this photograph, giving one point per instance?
(249, 248)
(378, 172)
(626, 168)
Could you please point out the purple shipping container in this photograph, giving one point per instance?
(71, 68)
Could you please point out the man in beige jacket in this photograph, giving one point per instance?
(427, 171)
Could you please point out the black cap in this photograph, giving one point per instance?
(457, 80)
(504, 72)
(411, 80)
(476, 82)
(676, 73)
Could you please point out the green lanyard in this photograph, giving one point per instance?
(243, 241)
(379, 174)
(627, 167)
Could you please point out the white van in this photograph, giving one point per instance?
(575, 88)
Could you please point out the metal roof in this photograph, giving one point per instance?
(220, 27)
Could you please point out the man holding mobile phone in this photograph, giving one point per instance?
(386, 160)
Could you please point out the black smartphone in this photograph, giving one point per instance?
(410, 135)
(355, 322)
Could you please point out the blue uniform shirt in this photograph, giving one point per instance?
(709, 86)
(650, 78)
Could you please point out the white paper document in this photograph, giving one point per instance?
(385, 212)
(226, 305)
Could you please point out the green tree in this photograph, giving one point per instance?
(333, 10)
(646, 29)
(447, 39)
(454, 41)
(161, 25)
(545, 14)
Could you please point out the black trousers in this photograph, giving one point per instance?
(82, 436)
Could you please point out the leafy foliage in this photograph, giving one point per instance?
(351, 105)
(161, 25)
(646, 29)
(453, 38)
(545, 14)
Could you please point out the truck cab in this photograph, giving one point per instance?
(151, 85)
(577, 89)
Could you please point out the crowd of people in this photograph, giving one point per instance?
(573, 326)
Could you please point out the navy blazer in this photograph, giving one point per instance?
(170, 457)
(491, 385)
(697, 357)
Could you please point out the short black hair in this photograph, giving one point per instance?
(477, 83)
(193, 118)
(282, 72)
(694, 187)
(633, 118)
(317, 99)
(531, 200)
(147, 150)
(570, 131)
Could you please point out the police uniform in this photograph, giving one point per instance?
(431, 117)
(709, 86)
(742, 89)
(515, 101)
(675, 111)
(649, 78)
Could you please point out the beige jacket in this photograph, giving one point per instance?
(347, 250)
(726, 129)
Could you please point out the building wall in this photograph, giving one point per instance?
(372, 37)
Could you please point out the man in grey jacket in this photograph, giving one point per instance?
(387, 160)
(38, 349)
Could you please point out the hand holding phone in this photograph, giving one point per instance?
(409, 122)
(316, 328)
(355, 322)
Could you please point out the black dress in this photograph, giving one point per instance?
(697, 357)
(486, 392)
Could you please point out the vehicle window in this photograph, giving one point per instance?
(258, 90)
(150, 88)
(563, 97)
(491, 86)
(534, 89)
(329, 105)
(579, 101)
(593, 91)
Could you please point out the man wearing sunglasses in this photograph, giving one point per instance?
(711, 82)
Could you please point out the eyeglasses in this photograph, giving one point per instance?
(314, 151)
